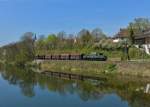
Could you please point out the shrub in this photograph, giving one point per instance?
(136, 53)
(111, 68)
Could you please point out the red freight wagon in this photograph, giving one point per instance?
(75, 56)
(64, 56)
(55, 57)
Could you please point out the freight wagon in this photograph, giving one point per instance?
(91, 57)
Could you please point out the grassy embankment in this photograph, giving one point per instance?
(141, 69)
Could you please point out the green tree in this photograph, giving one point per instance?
(51, 41)
(61, 40)
(21, 52)
(131, 34)
(139, 25)
(98, 34)
(85, 37)
(40, 44)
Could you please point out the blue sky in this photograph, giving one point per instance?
(50, 16)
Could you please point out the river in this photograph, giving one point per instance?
(24, 88)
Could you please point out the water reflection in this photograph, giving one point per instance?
(87, 90)
(147, 89)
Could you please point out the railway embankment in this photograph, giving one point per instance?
(97, 68)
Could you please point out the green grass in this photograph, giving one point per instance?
(78, 67)
(95, 68)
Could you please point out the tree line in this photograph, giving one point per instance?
(85, 41)
(20, 52)
(69, 42)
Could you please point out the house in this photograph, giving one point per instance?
(122, 34)
(143, 40)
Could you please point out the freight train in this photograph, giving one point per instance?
(90, 57)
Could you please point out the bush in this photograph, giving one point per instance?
(111, 68)
(136, 53)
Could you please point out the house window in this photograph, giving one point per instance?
(140, 41)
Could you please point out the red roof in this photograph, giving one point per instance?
(123, 33)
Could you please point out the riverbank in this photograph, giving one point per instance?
(96, 68)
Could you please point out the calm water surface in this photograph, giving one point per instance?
(23, 88)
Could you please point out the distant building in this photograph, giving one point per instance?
(75, 40)
(122, 34)
(143, 40)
